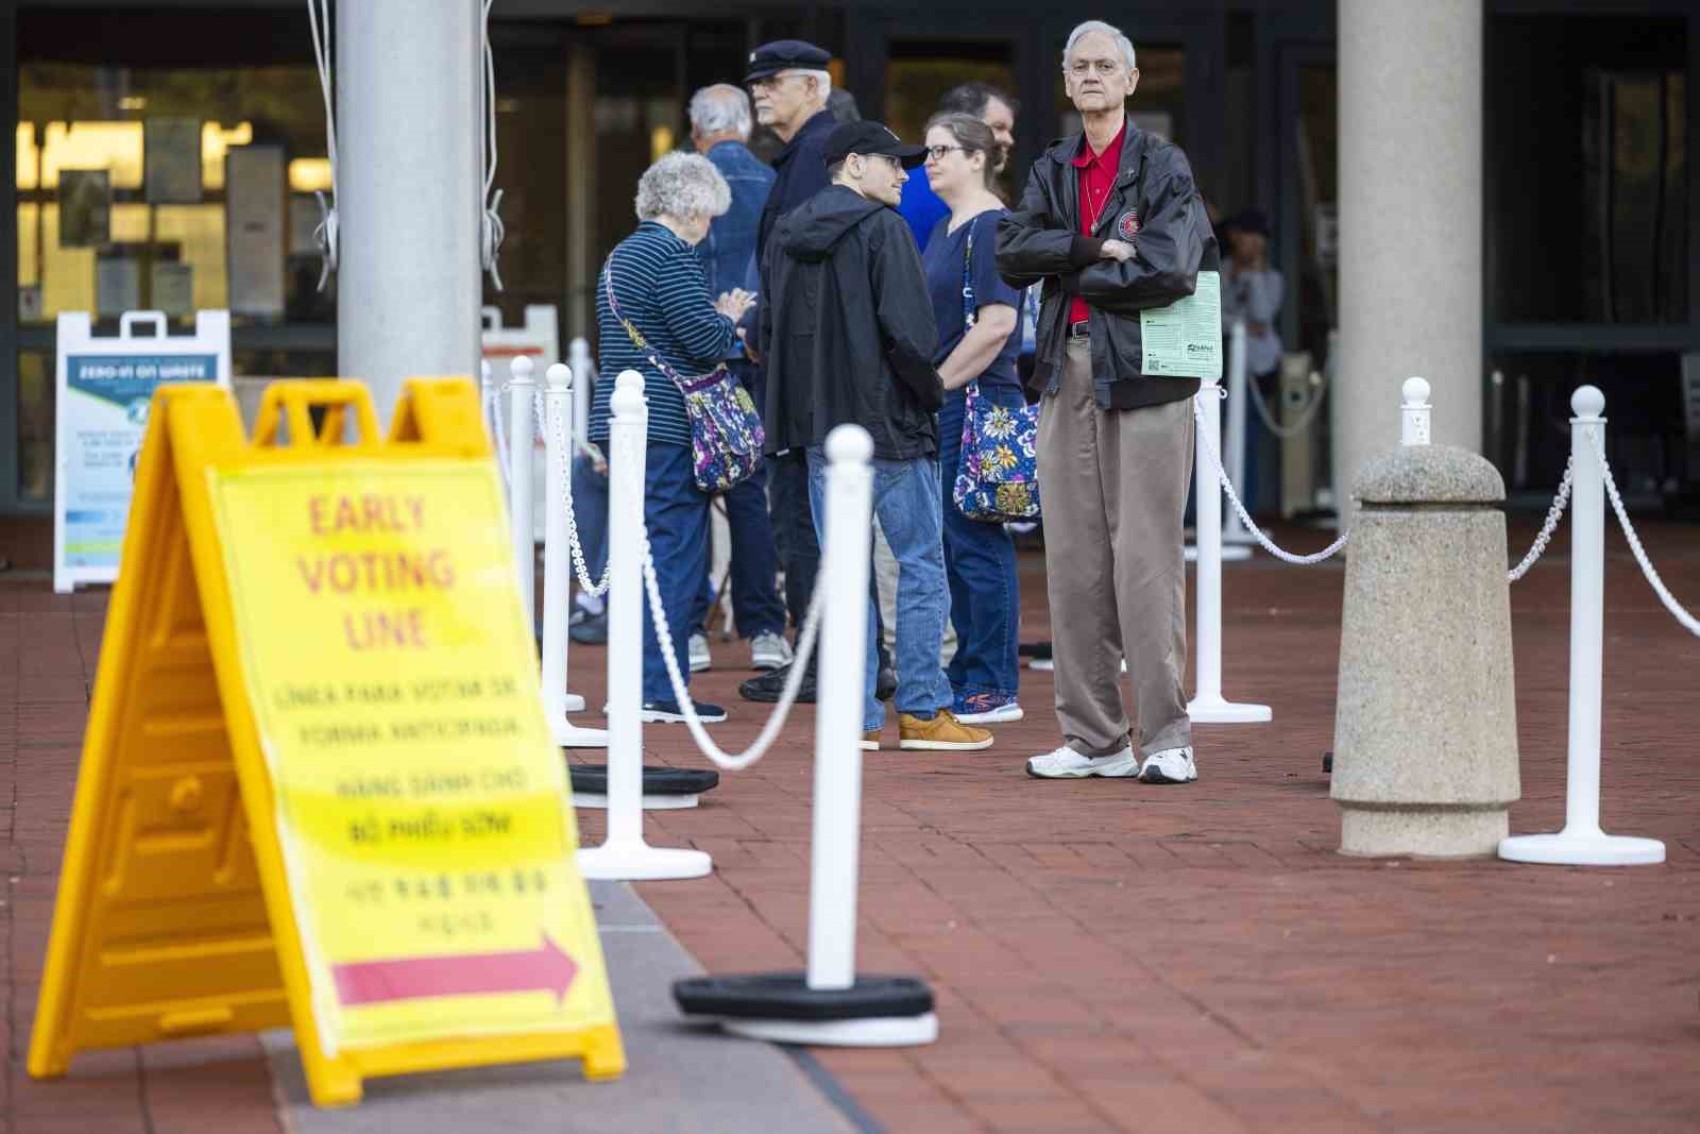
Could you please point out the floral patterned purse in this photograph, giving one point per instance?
(726, 431)
(997, 476)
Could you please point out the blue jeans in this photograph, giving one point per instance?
(590, 512)
(979, 559)
(906, 501)
(676, 514)
(756, 605)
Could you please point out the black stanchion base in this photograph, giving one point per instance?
(877, 1011)
(664, 788)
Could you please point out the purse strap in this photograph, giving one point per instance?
(969, 307)
(633, 333)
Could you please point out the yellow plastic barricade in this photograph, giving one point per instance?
(318, 787)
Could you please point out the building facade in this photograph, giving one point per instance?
(168, 155)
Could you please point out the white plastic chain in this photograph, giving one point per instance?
(495, 408)
(793, 682)
(1689, 622)
(1245, 517)
(1554, 514)
(559, 442)
(1306, 415)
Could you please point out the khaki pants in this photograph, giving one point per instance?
(1114, 485)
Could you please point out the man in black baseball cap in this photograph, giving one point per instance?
(872, 139)
(849, 337)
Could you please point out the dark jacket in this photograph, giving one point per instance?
(850, 334)
(1040, 240)
(799, 171)
(730, 247)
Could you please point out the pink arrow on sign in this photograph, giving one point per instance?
(466, 974)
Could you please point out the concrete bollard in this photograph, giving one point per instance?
(1425, 726)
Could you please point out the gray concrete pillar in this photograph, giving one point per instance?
(1410, 223)
(409, 182)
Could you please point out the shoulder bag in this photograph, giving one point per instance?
(726, 431)
(997, 475)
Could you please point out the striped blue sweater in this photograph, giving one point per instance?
(659, 285)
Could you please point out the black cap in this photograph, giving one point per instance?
(871, 138)
(783, 55)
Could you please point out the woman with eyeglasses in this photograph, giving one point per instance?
(979, 337)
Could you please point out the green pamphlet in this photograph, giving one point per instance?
(1184, 339)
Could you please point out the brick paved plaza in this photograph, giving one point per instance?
(1107, 956)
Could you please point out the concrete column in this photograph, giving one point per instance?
(409, 181)
(1410, 223)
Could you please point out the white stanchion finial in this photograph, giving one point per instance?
(628, 393)
(1414, 412)
(559, 376)
(521, 369)
(1587, 403)
(849, 443)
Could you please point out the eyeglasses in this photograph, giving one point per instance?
(1080, 68)
(768, 81)
(936, 153)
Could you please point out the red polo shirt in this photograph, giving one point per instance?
(1097, 172)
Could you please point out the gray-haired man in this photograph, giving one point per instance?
(1113, 225)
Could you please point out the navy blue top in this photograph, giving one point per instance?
(659, 286)
(921, 207)
(943, 261)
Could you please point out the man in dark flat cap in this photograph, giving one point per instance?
(789, 85)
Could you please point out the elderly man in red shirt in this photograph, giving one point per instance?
(1114, 226)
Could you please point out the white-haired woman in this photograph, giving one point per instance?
(655, 315)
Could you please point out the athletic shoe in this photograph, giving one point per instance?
(767, 688)
(669, 712)
(1067, 764)
(885, 683)
(941, 734)
(987, 708)
(700, 657)
(1043, 665)
(588, 629)
(769, 651)
(871, 741)
(1170, 766)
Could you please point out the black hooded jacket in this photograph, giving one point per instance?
(1040, 240)
(849, 336)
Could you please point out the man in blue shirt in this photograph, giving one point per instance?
(921, 207)
(720, 129)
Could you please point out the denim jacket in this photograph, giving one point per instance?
(729, 250)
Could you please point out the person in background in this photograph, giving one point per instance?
(921, 207)
(720, 127)
(652, 289)
(978, 317)
(848, 338)
(790, 86)
(1253, 291)
(1112, 223)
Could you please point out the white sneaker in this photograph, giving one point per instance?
(700, 658)
(1067, 764)
(769, 651)
(1170, 766)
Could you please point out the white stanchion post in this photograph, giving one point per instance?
(624, 854)
(1582, 842)
(557, 569)
(829, 1005)
(578, 357)
(834, 854)
(485, 382)
(1234, 532)
(1415, 426)
(522, 433)
(1208, 706)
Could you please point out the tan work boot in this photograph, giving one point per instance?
(944, 733)
(871, 741)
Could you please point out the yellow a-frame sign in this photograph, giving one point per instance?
(317, 786)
